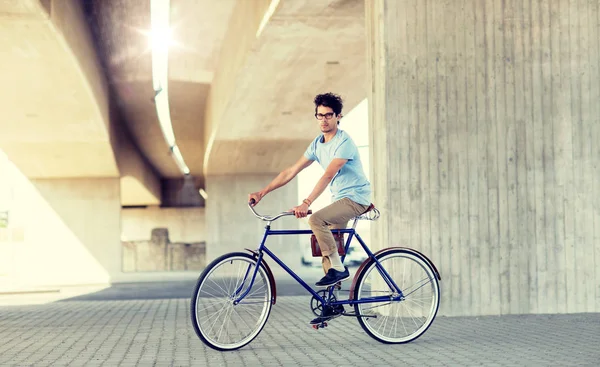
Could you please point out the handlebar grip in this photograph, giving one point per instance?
(252, 201)
(309, 212)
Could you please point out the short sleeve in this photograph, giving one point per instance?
(310, 152)
(346, 150)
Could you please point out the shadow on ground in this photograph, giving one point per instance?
(286, 286)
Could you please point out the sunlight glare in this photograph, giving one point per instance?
(160, 39)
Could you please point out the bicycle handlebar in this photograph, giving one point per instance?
(268, 218)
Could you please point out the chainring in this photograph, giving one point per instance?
(316, 306)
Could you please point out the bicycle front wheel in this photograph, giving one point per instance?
(393, 321)
(219, 322)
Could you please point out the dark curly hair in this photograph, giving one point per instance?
(330, 100)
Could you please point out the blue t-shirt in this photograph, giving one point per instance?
(350, 181)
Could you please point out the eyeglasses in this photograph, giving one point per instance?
(327, 115)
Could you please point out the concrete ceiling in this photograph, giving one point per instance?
(264, 114)
(41, 79)
(240, 98)
(307, 47)
(198, 28)
(58, 116)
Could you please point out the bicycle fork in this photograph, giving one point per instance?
(235, 296)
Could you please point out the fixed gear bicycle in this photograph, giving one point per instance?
(395, 292)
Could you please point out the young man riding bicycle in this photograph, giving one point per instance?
(336, 152)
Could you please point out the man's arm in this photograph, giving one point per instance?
(336, 164)
(287, 175)
(333, 168)
(283, 178)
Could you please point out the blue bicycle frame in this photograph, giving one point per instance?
(262, 249)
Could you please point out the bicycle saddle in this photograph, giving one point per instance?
(371, 207)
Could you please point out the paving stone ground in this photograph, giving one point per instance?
(158, 332)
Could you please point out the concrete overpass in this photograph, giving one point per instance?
(483, 122)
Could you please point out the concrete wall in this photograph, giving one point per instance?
(484, 154)
(184, 224)
(67, 232)
(158, 239)
(60, 232)
(232, 227)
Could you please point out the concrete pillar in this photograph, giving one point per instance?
(231, 226)
(484, 126)
(63, 232)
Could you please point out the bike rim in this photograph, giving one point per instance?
(221, 323)
(405, 320)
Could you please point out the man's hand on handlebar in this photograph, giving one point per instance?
(254, 198)
(301, 210)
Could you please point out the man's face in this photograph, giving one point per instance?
(327, 119)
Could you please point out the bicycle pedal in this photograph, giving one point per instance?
(319, 326)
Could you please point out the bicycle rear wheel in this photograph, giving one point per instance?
(220, 323)
(398, 322)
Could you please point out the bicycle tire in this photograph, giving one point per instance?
(205, 275)
(371, 266)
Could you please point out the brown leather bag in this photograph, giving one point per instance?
(339, 240)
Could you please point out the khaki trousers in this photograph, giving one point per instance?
(334, 216)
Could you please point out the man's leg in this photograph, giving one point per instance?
(325, 259)
(339, 213)
(326, 264)
(335, 216)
